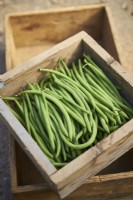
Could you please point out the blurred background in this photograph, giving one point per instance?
(22, 36)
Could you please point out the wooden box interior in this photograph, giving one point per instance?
(27, 173)
(30, 34)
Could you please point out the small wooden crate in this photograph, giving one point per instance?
(67, 179)
(95, 19)
(27, 34)
(26, 181)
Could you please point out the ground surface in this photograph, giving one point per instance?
(123, 15)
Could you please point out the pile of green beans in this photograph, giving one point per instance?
(70, 110)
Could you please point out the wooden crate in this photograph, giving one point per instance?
(25, 178)
(67, 179)
(113, 182)
(26, 181)
(27, 34)
(96, 21)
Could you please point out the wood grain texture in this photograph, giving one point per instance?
(122, 29)
(109, 42)
(12, 5)
(94, 160)
(12, 157)
(69, 49)
(32, 35)
(38, 28)
(67, 179)
(25, 52)
(100, 188)
(26, 142)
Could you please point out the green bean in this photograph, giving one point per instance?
(107, 91)
(8, 98)
(73, 113)
(58, 103)
(60, 123)
(69, 100)
(82, 103)
(29, 103)
(40, 142)
(48, 91)
(65, 92)
(26, 115)
(113, 128)
(65, 68)
(17, 116)
(72, 92)
(100, 73)
(59, 164)
(94, 84)
(59, 130)
(40, 126)
(73, 76)
(73, 153)
(37, 129)
(116, 115)
(105, 126)
(63, 151)
(80, 70)
(84, 145)
(84, 94)
(16, 101)
(43, 81)
(71, 80)
(73, 129)
(44, 110)
(70, 110)
(101, 128)
(101, 99)
(61, 68)
(58, 146)
(99, 82)
(79, 135)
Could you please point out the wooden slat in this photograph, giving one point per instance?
(30, 32)
(94, 160)
(12, 157)
(67, 179)
(12, 60)
(27, 143)
(113, 178)
(109, 43)
(16, 79)
(102, 187)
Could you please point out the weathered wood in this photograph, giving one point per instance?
(94, 160)
(100, 188)
(105, 152)
(30, 70)
(31, 35)
(25, 52)
(109, 42)
(122, 29)
(27, 143)
(12, 157)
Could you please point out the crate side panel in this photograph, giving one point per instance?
(101, 155)
(51, 26)
(114, 186)
(107, 38)
(17, 79)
